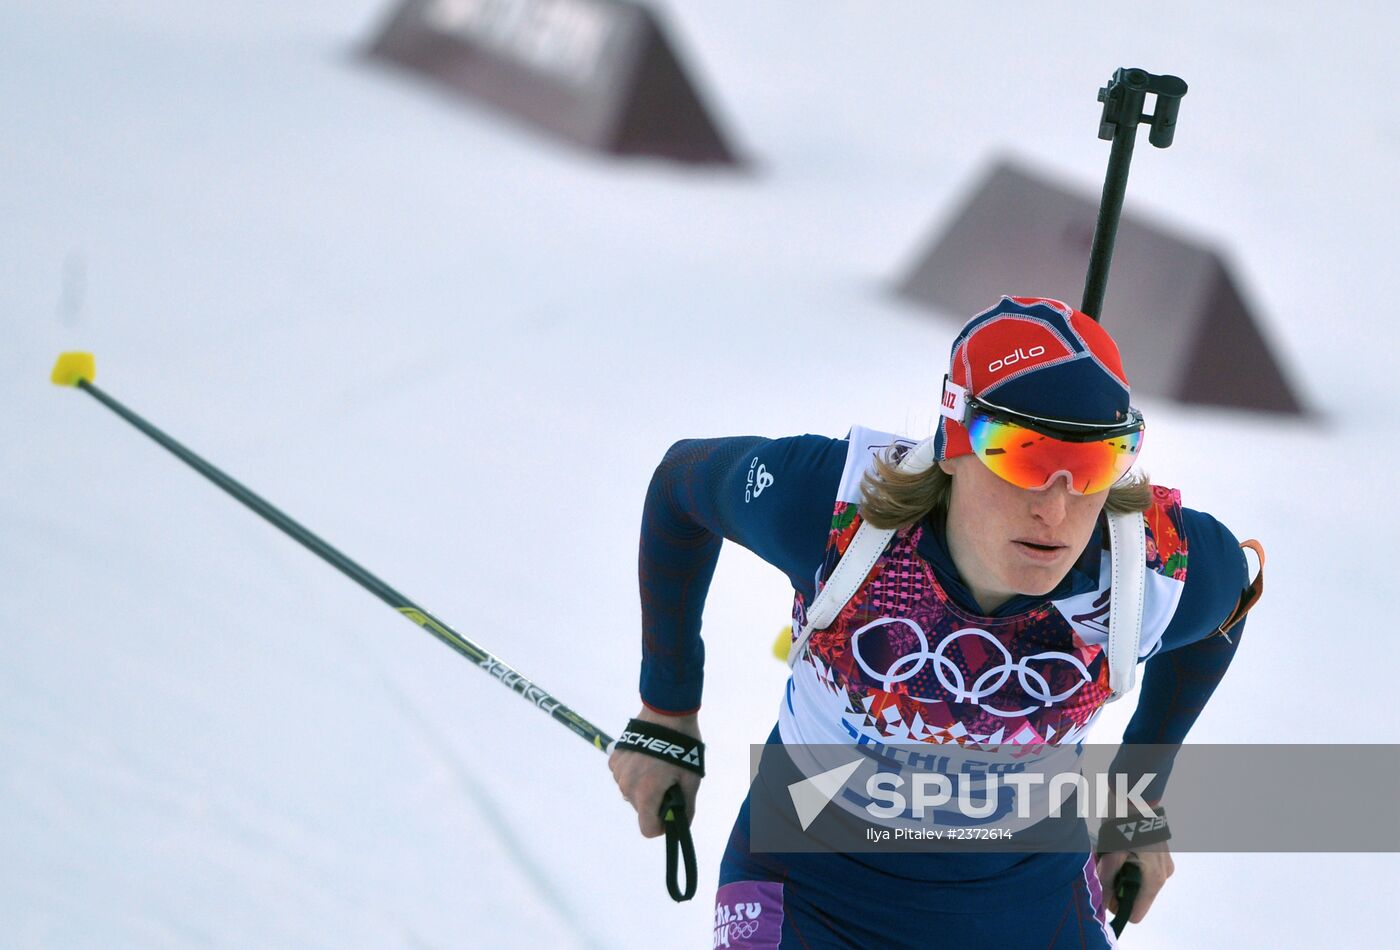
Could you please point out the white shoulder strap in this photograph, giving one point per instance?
(1127, 537)
(855, 564)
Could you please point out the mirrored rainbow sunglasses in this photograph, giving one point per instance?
(1030, 451)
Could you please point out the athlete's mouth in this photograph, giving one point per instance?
(1040, 545)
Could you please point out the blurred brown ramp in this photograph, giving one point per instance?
(598, 73)
(1184, 328)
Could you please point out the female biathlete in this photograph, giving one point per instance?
(1000, 555)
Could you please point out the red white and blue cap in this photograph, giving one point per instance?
(1036, 356)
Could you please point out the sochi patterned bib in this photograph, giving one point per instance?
(903, 663)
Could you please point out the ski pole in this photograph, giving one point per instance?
(78, 369)
(1122, 102)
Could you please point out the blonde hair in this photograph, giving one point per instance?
(896, 499)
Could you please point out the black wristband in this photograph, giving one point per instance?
(668, 745)
(1125, 834)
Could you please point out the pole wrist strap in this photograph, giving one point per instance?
(687, 752)
(668, 745)
(1125, 834)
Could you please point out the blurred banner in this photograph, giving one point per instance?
(1185, 331)
(599, 73)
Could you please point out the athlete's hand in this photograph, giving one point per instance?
(1157, 866)
(644, 779)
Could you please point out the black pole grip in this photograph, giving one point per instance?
(1126, 884)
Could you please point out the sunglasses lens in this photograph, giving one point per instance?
(1028, 459)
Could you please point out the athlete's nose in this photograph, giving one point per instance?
(1049, 504)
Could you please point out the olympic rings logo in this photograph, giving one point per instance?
(987, 684)
(742, 929)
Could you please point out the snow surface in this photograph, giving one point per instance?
(437, 338)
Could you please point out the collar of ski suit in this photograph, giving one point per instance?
(1083, 575)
